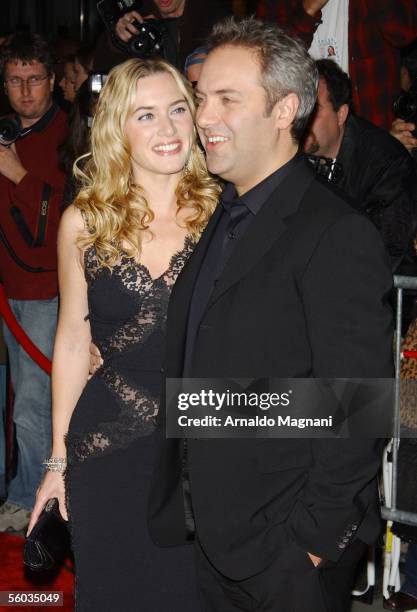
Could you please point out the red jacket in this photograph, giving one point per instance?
(377, 31)
(20, 219)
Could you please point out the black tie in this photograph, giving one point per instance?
(236, 210)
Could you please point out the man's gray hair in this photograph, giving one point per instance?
(286, 66)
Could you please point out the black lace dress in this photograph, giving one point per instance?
(111, 445)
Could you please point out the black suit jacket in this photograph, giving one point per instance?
(303, 295)
(381, 177)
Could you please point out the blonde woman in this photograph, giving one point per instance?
(146, 198)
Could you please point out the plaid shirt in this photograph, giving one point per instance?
(377, 31)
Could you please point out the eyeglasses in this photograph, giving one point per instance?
(32, 81)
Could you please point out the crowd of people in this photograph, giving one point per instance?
(231, 206)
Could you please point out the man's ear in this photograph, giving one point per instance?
(52, 81)
(342, 114)
(285, 111)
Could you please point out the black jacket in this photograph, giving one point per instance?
(380, 177)
(297, 298)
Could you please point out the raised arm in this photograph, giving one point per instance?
(299, 17)
(71, 352)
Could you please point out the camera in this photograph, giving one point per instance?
(9, 131)
(149, 42)
(405, 106)
(111, 10)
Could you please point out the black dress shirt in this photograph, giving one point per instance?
(237, 215)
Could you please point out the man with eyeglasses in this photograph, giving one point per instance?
(31, 188)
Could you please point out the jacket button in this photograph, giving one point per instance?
(162, 370)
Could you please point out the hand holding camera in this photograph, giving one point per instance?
(125, 27)
(405, 108)
(140, 36)
(10, 164)
(403, 131)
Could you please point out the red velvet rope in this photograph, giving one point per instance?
(39, 358)
(21, 336)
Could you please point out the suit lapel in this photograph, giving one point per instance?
(182, 292)
(268, 225)
(266, 228)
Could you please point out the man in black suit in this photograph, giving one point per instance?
(287, 281)
(366, 163)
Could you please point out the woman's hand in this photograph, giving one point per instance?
(52, 486)
(314, 559)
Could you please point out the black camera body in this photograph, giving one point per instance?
(10, 131)
(11, 128)
(405, 106)
(111, 10)
(148, 43)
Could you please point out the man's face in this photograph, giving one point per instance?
(239, 139)
(80, 75)
(30, 102)
(170, 8)
(405, 79)
(326, 128)
(67, 83)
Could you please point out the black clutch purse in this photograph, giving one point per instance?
(49, 541)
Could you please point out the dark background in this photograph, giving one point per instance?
(76, 19)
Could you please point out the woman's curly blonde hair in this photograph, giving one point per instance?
(114, 208)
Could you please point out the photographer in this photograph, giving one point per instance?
(184, 23)
(365, 163)
(31, 187)
(404, 129)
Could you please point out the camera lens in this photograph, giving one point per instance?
(9, 131)
(405, 106)
(148, 42)
(140, 44)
